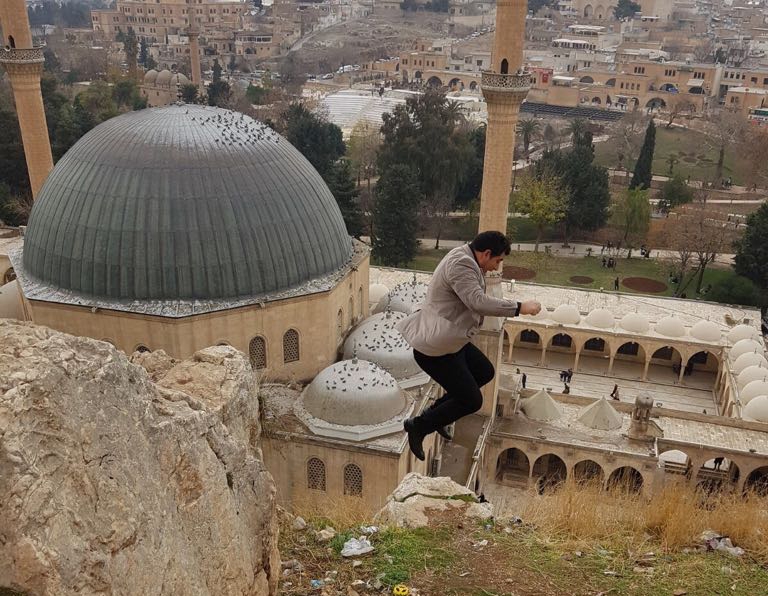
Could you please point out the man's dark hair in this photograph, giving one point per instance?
(492, 240)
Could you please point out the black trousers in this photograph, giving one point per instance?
(461, 375)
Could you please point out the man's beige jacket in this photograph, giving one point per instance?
(455, 306)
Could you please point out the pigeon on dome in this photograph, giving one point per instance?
(540, 406)
(600, 415)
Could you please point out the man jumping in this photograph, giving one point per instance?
(441, 333)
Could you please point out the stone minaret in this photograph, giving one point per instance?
(504, 88)
(194, 54)
(24, 65)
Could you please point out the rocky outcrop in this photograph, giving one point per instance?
(111, 483)
(418, 498)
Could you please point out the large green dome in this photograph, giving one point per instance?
(183, 202)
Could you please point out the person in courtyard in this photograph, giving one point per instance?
(616, 284)
(523, 378)
(566, 388)
(441, 332)
(718, 462)
(569, 375)
(615, 392)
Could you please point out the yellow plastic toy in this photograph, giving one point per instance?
(400, 590)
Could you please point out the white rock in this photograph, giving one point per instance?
(326, 534)
(126, 481)
(299, 524)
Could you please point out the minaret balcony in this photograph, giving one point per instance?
(21, 56)
(512, 83)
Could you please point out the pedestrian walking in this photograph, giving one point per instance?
(615, 392)
(523, 377)
(569, 375)
(616, 284)
(440, 333)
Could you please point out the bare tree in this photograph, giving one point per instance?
(753, 149)
(697, 235)
(677, 107)
(704, 51)
(723, 130)
(363, 147)
(626, 136)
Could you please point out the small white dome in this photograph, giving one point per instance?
(404, 297)
(740, 332)
(706, 331)
(752, 390)
(11, 306)
(376, 340)
(744, 346)
(566, 314)
(354, 392)
(602, 318)
(670, 327)
(634, 322)
(376, 292)
(179, 78)
(150, 77)
(751, 373)
(748, 359)
(163, 78)
(756, 410)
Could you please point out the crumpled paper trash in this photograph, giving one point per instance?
(356, 546)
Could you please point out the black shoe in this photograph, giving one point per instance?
(415, 438)
(445, 432)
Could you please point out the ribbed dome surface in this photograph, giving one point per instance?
(183, 202)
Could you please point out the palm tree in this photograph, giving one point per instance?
(576, 129)
(455, 112)
(529, 128)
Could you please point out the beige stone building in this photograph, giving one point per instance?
(162, 88)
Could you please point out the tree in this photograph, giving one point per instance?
(677, 107)
(131, 47)
(257, 95)
(13, 165)
(395, 217)
(543, 199)
(189, 93)
(576, 130)
(736, 289)
(363, 147)
(535, 6)
(644, 167)
(319, 141)
(751, 259)
(754, 150)
(342, 187)
(626, 9)
(529, 129)
(723, 131)
(124, 92)
(143, 51)
(424, 134)
(631, 216)
(626, 137)
(550, 136)
(219, 91)
(673, 193)
(470, 188)
(586, 183)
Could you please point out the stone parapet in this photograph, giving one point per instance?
(22, 60)
(510, 83)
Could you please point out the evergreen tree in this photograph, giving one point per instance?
(143, 51)
(586, 182)
(644, 166)
(319, 141)
(631, 216)
(674, 192)
(751, 259)
(626, 9)
(346, 194)
(189, 93)
(216, 70)
(395, 217)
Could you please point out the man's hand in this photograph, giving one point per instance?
(530, 307)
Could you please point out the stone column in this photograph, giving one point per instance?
(24, 65)
(194, 55)
(490, 343)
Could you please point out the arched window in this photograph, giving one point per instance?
(141, 348)
(11, 41)
(291, 351)
(351, 310)
(353, 480)
(257, 351)
(504, 66)
(316, 474)
(339, 324)
(360, 301)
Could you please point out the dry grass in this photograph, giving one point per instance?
(346, 512)
(675, 518)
